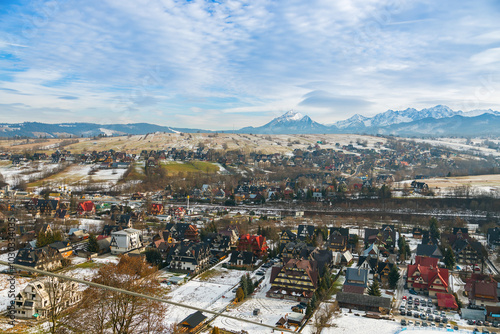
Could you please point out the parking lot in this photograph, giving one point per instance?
(421, 312)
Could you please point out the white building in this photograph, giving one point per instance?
(125, 240)
(39, 297)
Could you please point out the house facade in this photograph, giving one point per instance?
(189, 256)
(41, 296)
(426, 277)
(295, 280)
(253, 243)
(125, 240)
(45, 258)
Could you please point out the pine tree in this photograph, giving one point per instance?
(93, 246)
(374, 289)
(449, 258)
(394, 277)
(41, 240)
(434, 228)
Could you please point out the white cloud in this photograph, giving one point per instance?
(154, 59)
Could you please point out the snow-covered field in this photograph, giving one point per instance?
(346, 322)
(25, 171)
(91, 224)
(460, 144)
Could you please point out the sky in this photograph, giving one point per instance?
(229, 64)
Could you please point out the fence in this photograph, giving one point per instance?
(433, 329)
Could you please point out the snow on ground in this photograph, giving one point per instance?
(5, 257)
(107, 259)
(271, 310)
(25, 171)
(20, 283)
(81, 273)
(90, 224)
(412, 242)
(77, 260)
(198, 294)
(349, 323)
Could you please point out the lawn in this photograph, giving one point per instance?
(191, 167)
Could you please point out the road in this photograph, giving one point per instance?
(400, 290)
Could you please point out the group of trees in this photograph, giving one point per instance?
(46, 238)
(104, 310)
(246, 288)
(322, 292)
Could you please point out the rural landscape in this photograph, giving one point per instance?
(249, 166)
(261, 232)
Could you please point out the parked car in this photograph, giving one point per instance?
(408, 313)
(413, 292)
(403, 322)
(423, 316)
(404, 298)
(403, 312)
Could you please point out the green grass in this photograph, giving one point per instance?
(87, 265)
(191, 167)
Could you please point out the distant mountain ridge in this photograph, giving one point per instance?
(36, 129)
(290, 122)
(436, 121)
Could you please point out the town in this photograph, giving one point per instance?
(302, 233)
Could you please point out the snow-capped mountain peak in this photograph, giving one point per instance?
(290, 116)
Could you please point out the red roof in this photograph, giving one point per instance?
(86, 206)
(429, 272)
(426, 261)
(446, 300)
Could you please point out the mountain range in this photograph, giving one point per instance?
(436, 121)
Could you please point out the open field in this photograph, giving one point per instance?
(190, 167)
(479, 184)
(245, 142)
(78, 174)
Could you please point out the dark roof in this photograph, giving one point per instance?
(429, 250)
(59, 245)
(32, 257)
(193, 320)
(323, 257)
(363, 300)
(247, 257)
(305, 231)
(343, 231)
(356, 274)
(289, 233)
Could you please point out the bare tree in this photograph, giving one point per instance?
(104, 311)
(61, 295)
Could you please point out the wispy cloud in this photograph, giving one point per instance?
(210, 64)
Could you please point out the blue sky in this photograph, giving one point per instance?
(219, 64)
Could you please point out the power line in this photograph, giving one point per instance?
(135, 294)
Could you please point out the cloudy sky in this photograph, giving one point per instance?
(223, 64)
